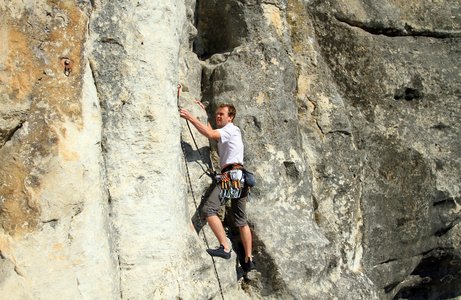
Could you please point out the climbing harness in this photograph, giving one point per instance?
(208, 172)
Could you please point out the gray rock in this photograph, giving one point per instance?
(350, 118)
(393, 88)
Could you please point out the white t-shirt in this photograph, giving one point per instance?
(230, 147)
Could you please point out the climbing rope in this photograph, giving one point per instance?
(208, 171)
(193, 195)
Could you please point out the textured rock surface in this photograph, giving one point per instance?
(393, 72)
(350, 119)
(55, 233)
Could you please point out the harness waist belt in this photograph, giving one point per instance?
(231, 167)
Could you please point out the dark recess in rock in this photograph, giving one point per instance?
(441, 278)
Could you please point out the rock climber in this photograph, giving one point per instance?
(230, 148)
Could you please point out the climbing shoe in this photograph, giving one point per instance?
(219, 252)
(250, 265)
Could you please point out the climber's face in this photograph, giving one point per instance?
(222, 117)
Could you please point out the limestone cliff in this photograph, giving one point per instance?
(350, 113)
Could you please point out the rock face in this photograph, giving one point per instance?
(393, 70)
(350, 119)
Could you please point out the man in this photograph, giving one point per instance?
(230, 148)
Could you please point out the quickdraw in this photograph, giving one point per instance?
(231, 184)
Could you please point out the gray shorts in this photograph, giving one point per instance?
(214, 203)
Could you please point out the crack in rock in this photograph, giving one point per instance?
(408, 30)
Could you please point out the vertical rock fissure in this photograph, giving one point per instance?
(223, 28)
(220, 27)
(101, 143)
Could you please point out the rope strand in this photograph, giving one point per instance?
(193, 195)
(208, 171)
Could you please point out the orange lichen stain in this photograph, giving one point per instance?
(17, 216)
(32, 72)
(6, 248)
(58, 252)
(66, 39)
(20, 68)
(260, 98)
(65, 149)
(69, 155)
(274, 17)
